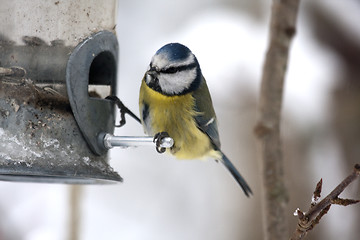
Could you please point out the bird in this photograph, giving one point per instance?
(175, 101)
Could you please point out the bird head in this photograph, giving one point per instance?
(173, 70)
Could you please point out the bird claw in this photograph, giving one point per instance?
(123, 110)
(157, 140)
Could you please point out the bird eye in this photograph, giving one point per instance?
(153, 69)
(170, 70)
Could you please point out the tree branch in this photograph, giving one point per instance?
(282, 30)
(312, 217)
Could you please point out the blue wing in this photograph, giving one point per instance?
(207, 122)
(206, 118)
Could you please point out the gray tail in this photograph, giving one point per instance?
(235, 173)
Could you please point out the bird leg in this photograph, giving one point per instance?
(123, 110)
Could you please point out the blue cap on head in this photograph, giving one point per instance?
(174, 51)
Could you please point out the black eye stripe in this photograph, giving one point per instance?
(171, 70)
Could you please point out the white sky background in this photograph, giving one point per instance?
(162, 198)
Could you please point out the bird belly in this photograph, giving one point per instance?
(189, 141)
(175, 115)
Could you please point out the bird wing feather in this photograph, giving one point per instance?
(206, 117)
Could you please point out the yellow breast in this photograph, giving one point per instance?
(175, 115)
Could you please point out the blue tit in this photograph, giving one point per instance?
(174, 98)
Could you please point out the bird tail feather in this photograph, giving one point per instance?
(235, 173)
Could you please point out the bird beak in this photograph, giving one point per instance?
(151, 73)
(150, 76)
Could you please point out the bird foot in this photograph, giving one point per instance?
(158, 139)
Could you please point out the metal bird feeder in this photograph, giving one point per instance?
(51, 55)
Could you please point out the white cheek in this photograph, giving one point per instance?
(177, 82)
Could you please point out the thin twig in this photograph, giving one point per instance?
(282, 30)
(317, 193)
(318, 210)
(75, 192)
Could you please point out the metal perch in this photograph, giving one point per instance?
(111, 141)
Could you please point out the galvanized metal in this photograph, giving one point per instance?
(48, 135)
(51, 57)
(40, 140)
(111, 141)
(44, 63)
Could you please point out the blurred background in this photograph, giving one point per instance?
(163, 198)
